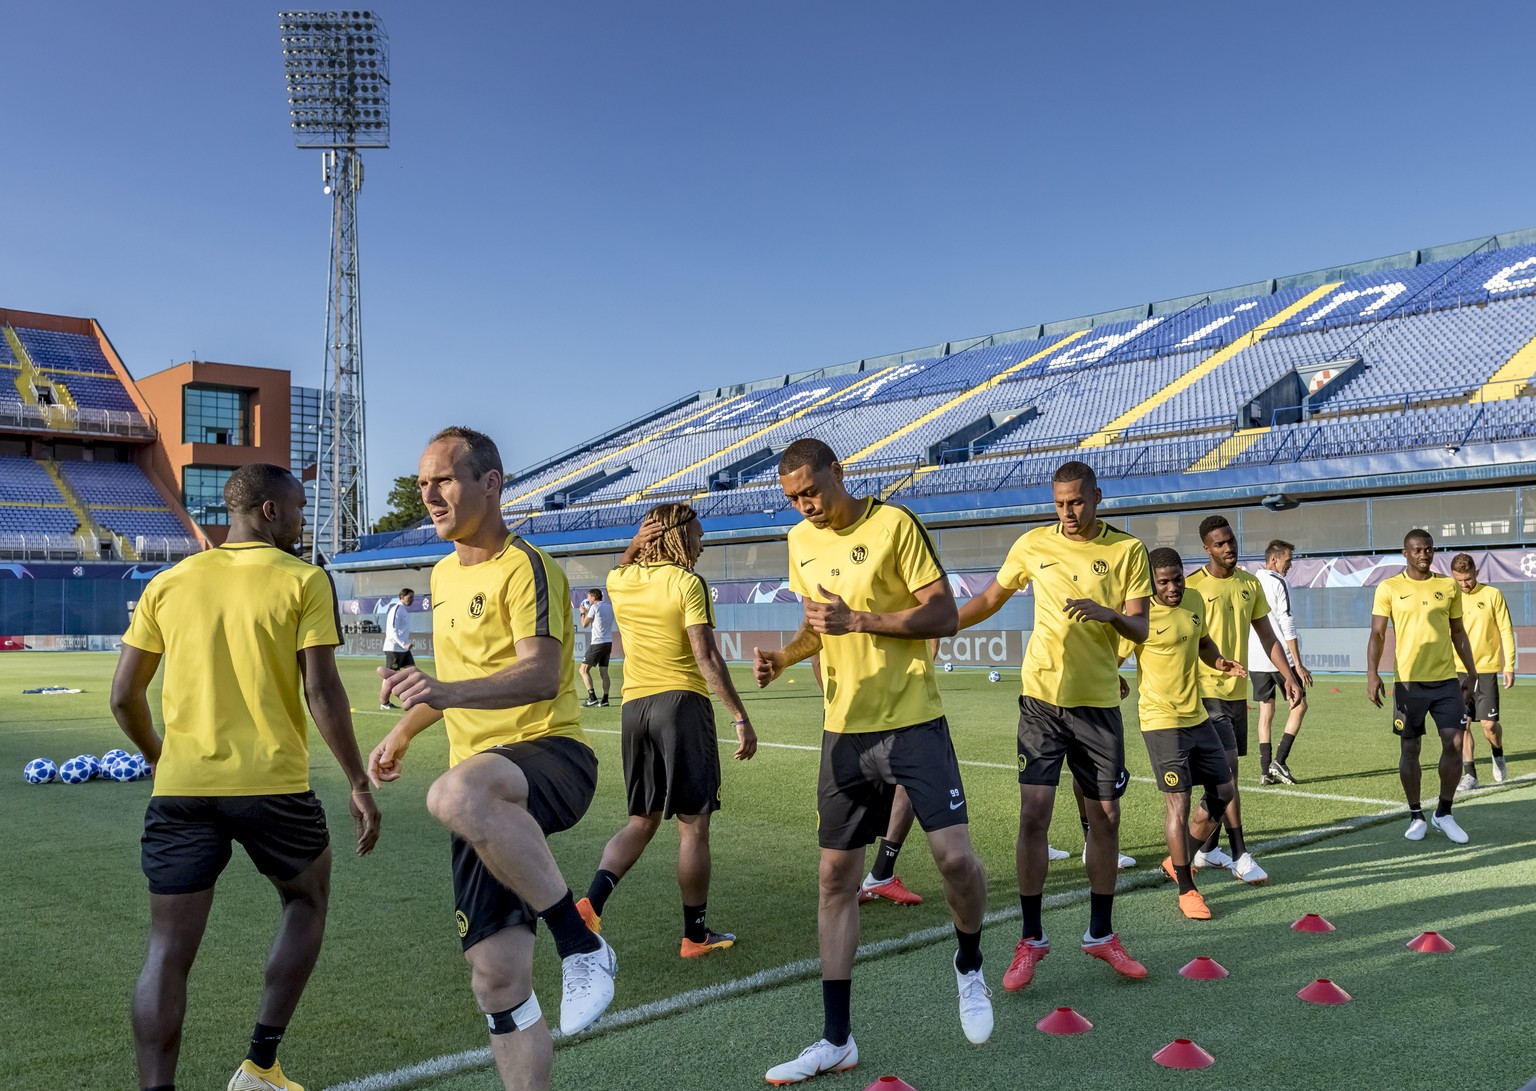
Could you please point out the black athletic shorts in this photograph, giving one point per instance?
(860, 772)
(1414, 702)
(395, 660)
(1091, 740)
(1183, 757)
(1230, 719)
(1267, 685)
(671, 754)
(598, 654)
(1485, 697)
(187, 839)
(562, 777)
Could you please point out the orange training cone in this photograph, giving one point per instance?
(1312, 922)
(1182, 1053)
(1430, 942)
(1324, 991)
(890, 1083)
(1064, 1021)
(1204, 969)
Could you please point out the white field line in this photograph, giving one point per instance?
(451, 1063)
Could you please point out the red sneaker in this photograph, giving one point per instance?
(1021, 971)
(1112, 952)
(892, 890)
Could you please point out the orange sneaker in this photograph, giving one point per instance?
(1168, 869)
(588, 914)
(892, 890)
(713, 941)
(1193, 906)
(1112, 952)
(1026, 956)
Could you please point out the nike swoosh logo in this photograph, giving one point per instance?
(1400, 598)
(804, 563)
(1160, 632)
(1047, 564)
(435, 605)
(955, 805)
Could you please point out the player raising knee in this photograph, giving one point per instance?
(1184, 747)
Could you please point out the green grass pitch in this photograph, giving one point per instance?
(392, 990)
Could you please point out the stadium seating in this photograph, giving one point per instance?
(122, 499)
(30, 503)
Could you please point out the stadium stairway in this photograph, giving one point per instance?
(962, 397)
(1115, 428)
(29, 378)
(753, 437)
(1224, 452)
(649, 437)
(1512, 378)
(88, 524)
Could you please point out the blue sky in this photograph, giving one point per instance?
(591, 209)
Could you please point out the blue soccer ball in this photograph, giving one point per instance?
(948, 667)
(113, 755)
(40, 771)
(93, 763)
(75, 771)
(123, 770)
(143, 766)
(993, 676)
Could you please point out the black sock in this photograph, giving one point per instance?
(161, 1087)
(1443, 808)
(601, 889)
(1030, 904)
(885, 860)
(836, 1003)
(591, 694)
(572, 936)
(1235, 839)
(1469, 768)
(1416, 812)
(968, 958)
(1498, 751)
(693, 922)
(1210, 842)
(1100, 915)
(1283, 751)
(1265, 755)
(1186, 880)
(605, 695)
(264, 1042)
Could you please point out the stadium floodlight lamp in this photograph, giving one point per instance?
(337, 68)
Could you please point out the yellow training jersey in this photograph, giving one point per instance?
(1485, 615)
(654, 605)
(1069, 663)
(1231, 607)
(229, 624)
(1420, 612)
(479, 613)
(871, 683)
(1168, 688)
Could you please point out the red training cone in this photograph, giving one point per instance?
(1064, 1021)
(1312, 922)
(1182, 1053)
(1204, 969)
(890, 1083)
(1335, 689)
(1430, 942)
(1324, 991)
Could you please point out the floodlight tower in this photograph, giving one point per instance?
(337, 69)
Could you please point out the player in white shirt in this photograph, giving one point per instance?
(597, 619)
(1273, 768)
(397, 639)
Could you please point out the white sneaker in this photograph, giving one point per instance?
(813, 1061)
(1416, 830)
(586, 987)
(1246, 868)
(1500, 769)
(1447, 825)
(1125, 862)
(1467, 782)
(1214, 858)
(1054, 853)
(975, 1007)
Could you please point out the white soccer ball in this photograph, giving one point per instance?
(948, 667)
(93, 763)
(112, 755)
(123, 770)
(75, 771)
(40, 771)
(993, 676)
(142, 765)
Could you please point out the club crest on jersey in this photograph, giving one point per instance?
(1439, 596)
(1171, 779)
(477, 605)
(1247, 594)
(1100, 567)
(859, 554)
(462, 921)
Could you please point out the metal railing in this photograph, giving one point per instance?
(19, 546)
(88, 421)
(156, 547)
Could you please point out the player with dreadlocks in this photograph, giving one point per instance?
(671, 753)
